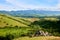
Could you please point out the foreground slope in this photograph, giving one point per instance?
(6, 20)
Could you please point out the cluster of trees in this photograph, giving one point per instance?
(48, 25)
(7, 37)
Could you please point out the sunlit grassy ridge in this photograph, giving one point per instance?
(32, 19)
(52, 19)
(12, 21)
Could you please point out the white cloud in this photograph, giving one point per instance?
(3, 7)
(8, 8)
(17, 5)
(54, 8)
(57, 7)
(24, 5)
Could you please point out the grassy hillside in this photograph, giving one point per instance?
(7, 20)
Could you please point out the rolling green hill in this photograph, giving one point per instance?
(7, 20)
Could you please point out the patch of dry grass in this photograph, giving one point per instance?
(39, 38)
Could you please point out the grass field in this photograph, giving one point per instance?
(39, 38)
(13, 31)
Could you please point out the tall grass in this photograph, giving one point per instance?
(14, 31)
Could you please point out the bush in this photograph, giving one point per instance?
(7, 37)
(7, 24)
(0, 20)
(4, 22)
(16, 26)
(2, 38)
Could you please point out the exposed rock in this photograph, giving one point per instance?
(41, 33)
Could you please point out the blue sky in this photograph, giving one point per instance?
(29, 4)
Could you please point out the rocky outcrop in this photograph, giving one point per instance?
(41, 33)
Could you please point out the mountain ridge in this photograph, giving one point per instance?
(35, 13)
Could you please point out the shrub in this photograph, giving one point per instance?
(4, 22)
(7, 24)
(7, 37)
(16, 26)
(0, 20)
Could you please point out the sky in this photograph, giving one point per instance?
(30, 4)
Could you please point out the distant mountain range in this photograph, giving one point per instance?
(31, 13)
